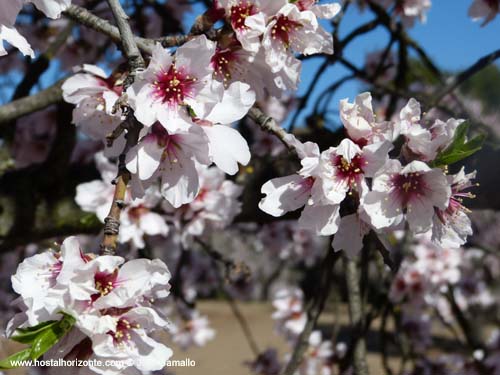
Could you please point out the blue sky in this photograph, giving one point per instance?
(449, 36)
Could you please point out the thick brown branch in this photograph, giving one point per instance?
(270, 125)
(29, 104)
(356, 315)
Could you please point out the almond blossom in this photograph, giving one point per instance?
(194, 331)
(361, 123)
(296, 28)
(232, 63)
(95, 95)
(421, 142)
(346, 166)
(411, 192)
(248, 18)
(290, 315)
(452, 226)
(172, 84)
(137, 219)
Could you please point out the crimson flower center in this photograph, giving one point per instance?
(122, 333)
(283, 29)
(409, 186)
(221, 62)
(350, 172)
(239, 14)
(104, 283)
(173, 86)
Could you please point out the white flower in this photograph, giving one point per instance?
(452, 226)
(292, 28)
(289, 313)
(232, 63)
(128, 340)
(285, 194)
(248, 19)
(352, 230)
(170, 84)
(94, 95)
(413, 191)
(346, 166)
(361, 124)
(421, 142)
(172, 157)
(137, 219)
(108, 282)
(194, 331)
(40, 274)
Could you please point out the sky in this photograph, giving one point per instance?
(449, 36)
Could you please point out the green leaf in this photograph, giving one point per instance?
(28, 335)
(51, 335)
(7, 363)
(460, 148)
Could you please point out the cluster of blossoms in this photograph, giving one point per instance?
(320, 356)
(214, 208)
(356, 187)
(188, 100)
(111, 301)
(423, 286)
(9, 9)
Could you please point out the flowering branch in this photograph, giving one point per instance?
(135, 62)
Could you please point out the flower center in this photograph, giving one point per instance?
(349, 172)
(408, 187)
(173, 86)
(284, 28)
(122, 334)
(239, 14)
(222, 63)
(104, 283)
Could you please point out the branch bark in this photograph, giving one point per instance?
(356, 315)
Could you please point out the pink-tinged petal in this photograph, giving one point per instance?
(52, 8)
(227, 148)
(12, 36)
(237, 100)
(440, 189)
(322, 220)
(348, 149)
(153, 224)
(419, 215)
(375, 157)
(285, 194)
(149, 155)
(350, 235)
(326, 11)
(382, 209)
(180, 183)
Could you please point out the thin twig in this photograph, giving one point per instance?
(314, 310)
